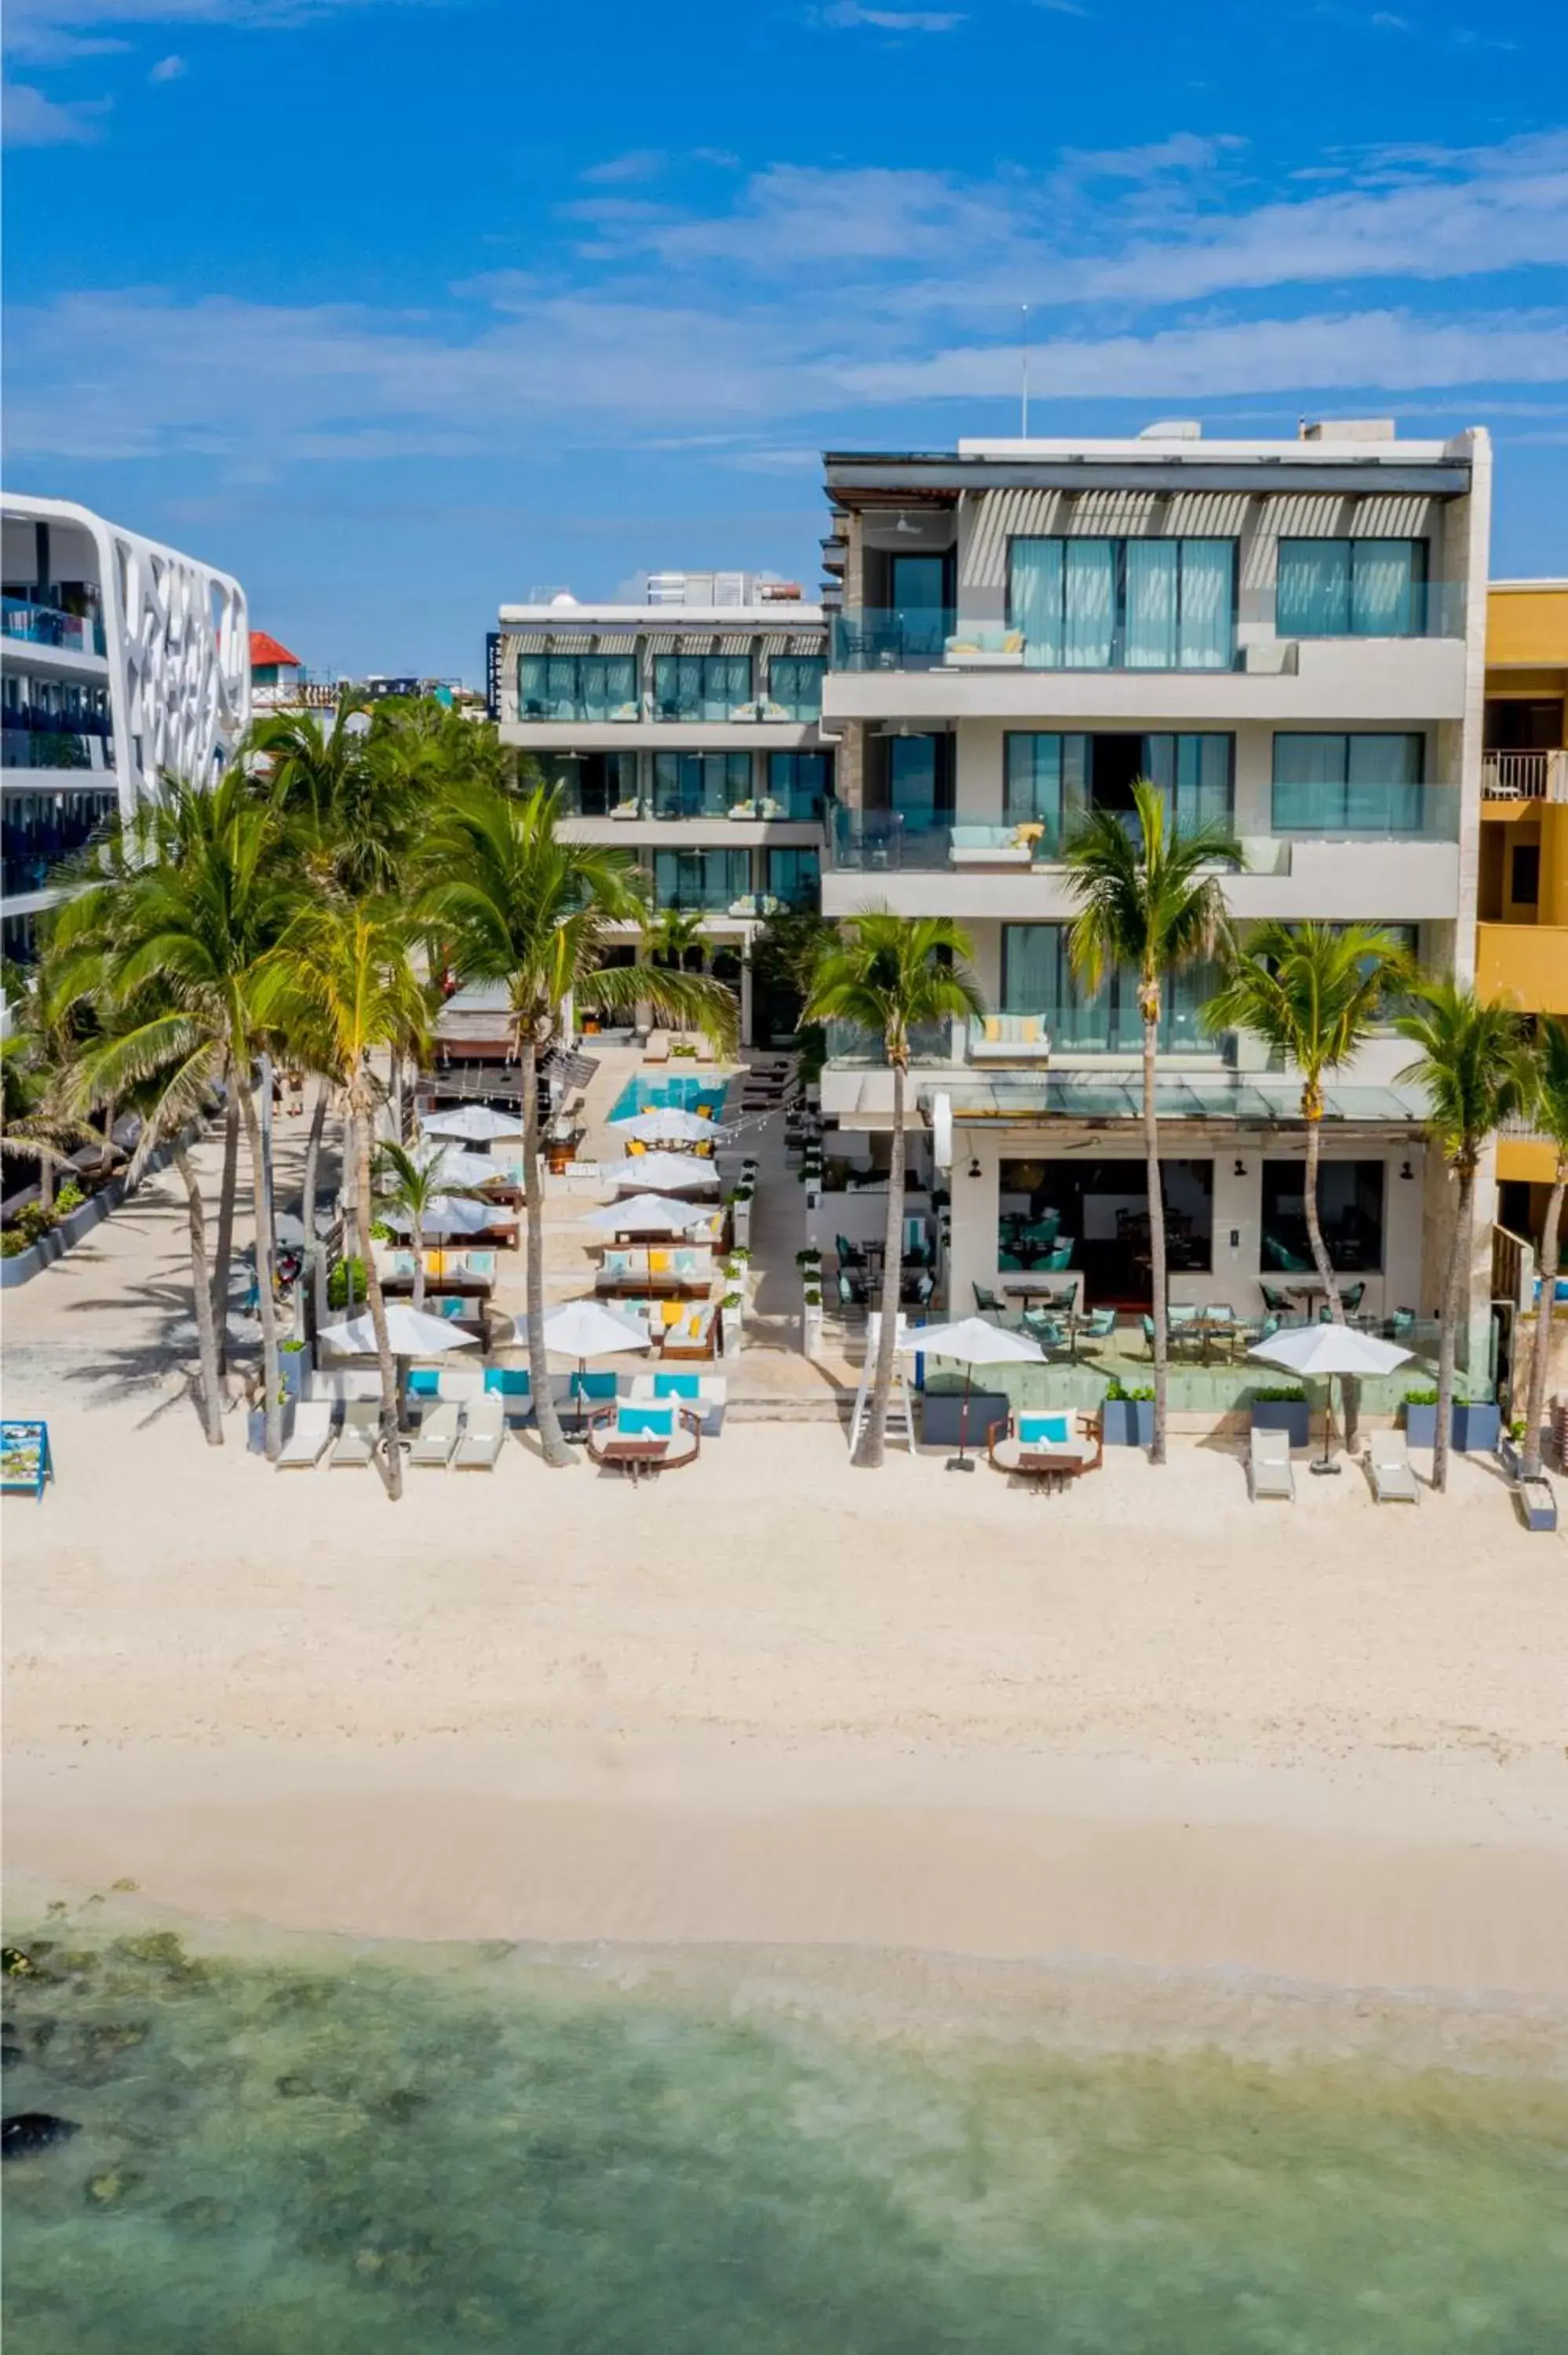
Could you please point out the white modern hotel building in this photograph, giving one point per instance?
(1289, 636)
(120, 661)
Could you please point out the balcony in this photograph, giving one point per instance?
(64, 751)
(1525, 777)
(48, 625)
(1333, 809)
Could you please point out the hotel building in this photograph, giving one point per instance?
(686, 729)
(1285, 637)
(120, 661)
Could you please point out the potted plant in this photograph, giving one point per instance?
(1510, 1447)
(732, 1322)
(1476, 1425)
(1421, 1417)
(293, 1368)
(1127, 1416)
(1283, 1408)
(1537, 1502)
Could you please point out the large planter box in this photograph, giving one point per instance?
(1537, 1504)
(295, 1372)
(944, 1410)
(1476, 1427)
(740, 1224)
(1421, 1426)
(812, 1332)
(1292, 1415)
(1128, 1422)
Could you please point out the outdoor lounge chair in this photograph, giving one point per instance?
(361, 1429)
(1388, 1469)
(657, 1050)
(310, 1437)
(484, 1433)
(437, 1435)
(1269, 1467)
(513, 1385)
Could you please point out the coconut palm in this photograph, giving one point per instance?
(410, 1180)
(1149, 903)
(348, 819)
(345, 982)
(1475, 1077)
(521, 904)
(1314, 993)
(670, 934)
(1548, 1109)
(892, 975)
(34, 1124)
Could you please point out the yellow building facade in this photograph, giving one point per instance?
(1522, 933)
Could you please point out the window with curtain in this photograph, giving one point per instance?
(1368, 783)
(1124, 604)
(795, 681)
(700, 687)
(700, 784)
(1351, 589)
(794, 877)
(800, 782)
(701, 881)
(577, 687)
(1037, 978)
(1195, 774)
(1044, 781)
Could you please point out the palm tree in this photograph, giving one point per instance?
(522, 904)
(411, 1180)
(892, 975)
(1475, 1077)
(344, 975)
(34, 1124)
(1548, 1107)
(670, 934)
(1314, 993)
(1148, 901)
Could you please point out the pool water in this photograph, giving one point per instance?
(388, 2152)
(687, 1094)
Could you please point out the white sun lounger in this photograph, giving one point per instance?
(437, 1435)
(310, 1437)
(657, 1050)
(1388, 1467)
(484, 1433)
(361, 1429)
(1268, 1467)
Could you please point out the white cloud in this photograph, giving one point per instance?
(888, 20)
(52, 32)
(31, 120)
(167, 69)
(639, 164)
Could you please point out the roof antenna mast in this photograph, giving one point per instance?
(1023, 394)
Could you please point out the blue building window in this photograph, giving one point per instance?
(1351, 589)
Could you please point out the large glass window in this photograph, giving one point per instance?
(704, 881)
(799, 782)
(38, 830)
(1094, 1216)
(701, 686)
(1351, 589)
(795, 877)
(919, 778)
(1348, 783)
(1051, 780)
(578, 686)
(700, 784)
(795, 683)
(1124, 604)
(1349, 1211)
(1037, 978)
(595, 784)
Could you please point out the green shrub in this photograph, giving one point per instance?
(1136, 1390)
(69, 1197)
(13, 1242)
(1280, 1394)
(33, 1220)
(1426, 1397)
(733, 1300)
(338, 1283)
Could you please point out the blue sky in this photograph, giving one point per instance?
(397, 308)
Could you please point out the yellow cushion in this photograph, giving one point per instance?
(1028, 1029)
(636, 1146)
(992, 1030)
(658, 1263)
(1012, 641)
(672, 1312)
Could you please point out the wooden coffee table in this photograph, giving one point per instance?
(636, 1457)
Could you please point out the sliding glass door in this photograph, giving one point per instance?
(1124, 604)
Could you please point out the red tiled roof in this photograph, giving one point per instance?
(264, 649)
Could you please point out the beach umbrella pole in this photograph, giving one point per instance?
(963, 1461)
(1324, 1462)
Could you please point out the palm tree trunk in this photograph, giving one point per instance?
(1350, 1388)
(201, 1299)
(46, 1182)
(419, 1241)
(308, 1198)
(391, 1452)
(1541, 1356)
(868, 1451)
(1453, 1293)
(350, 1203)
(1156, 1233)
(227, 1191)
(264, 1209)
(547, 1420)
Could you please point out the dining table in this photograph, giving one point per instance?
(1032, 1289)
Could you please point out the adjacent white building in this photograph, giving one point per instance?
(120, 661)
(1285, 637)
(686, 729)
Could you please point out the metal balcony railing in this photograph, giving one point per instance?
(1525, 777)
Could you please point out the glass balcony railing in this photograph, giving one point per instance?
(48, 625)
(871, 638)
(930, 1042)
(1370, 811)
(883, 841)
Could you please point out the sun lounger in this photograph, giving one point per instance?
(310, 1437)
(705, 1048)
(438, 1436)
(483, 1435)
(1268, 1467)
(361, 1429)
(657, 1050)
(1388, 1469)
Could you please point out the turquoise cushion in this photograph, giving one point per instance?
(646, 1422)
(1047, 1430)
(425, 1381)
(593, 1386)
(677, 1386)
(511, 1382)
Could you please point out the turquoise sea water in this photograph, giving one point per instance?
(686, 1095)
(383, 2152)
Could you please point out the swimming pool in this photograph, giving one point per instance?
(687, 1094)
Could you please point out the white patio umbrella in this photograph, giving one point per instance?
(663, 1173)
(456, 1168)
(667, 1125)
(969, 1342)
(472, 1123)
(410, 1333)
(1322, 1351)
(583, 1329)
(453, 1214)
(649, 1214)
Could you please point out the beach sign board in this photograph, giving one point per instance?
(25, 1460)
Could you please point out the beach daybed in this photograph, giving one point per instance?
(1041, 1444)
(691, 1333)
(704, 1395)
(1268, 1467)
(485, 1432)
(637, 1440)
(310, 1437)
(361, 1429)
(1388, 1469)
(437, 1435)
(687, 1267)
